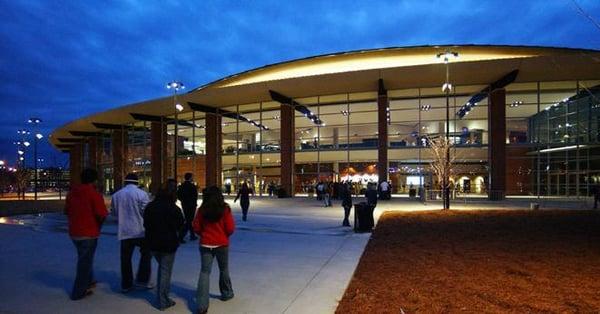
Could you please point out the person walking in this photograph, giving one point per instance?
(128, 206)
(214, 224)
(187, 193)
(244, 196)
(85, 212)
(346, 197)
(163, 221)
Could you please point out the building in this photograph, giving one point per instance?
(523, 120)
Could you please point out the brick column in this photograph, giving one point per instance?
(497, 144)
(119, 151)
(93, 151)
(75, 163)
(158, 155)
(287, 148)
(94, 159)
(382, 128)
(213, 149)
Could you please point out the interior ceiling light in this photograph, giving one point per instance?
(515, 104)
(345, 113)
(425, 107)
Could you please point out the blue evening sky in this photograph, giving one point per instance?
(62, 60)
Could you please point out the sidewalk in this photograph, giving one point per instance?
(290, 257)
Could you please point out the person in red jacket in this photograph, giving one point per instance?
(86, 211)
(214, 224)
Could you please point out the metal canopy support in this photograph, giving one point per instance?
(84, 133)
(224, 113)
(483, 94)
(280, 98)
(70, 140)
(151, 118)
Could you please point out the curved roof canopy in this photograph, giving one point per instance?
(359, 71)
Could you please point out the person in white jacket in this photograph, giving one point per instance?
(128, 206)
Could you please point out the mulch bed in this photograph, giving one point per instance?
(479, 262)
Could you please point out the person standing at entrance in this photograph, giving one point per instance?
(188, 196)
(85, 212)
(214, 224)
(128, 206)
(162, 222)
(244, 196)
(371, 194)
(384, 190)
(346, 197)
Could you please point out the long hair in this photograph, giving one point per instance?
(213, 204)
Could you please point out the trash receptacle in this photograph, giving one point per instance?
(363, 217)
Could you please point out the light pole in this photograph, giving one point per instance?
(447, 87)
(176, 86)
(38, 136)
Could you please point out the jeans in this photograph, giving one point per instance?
(245, 205)
(85, 264)
(163, 279)
(207, 255)
(144, 268)
(187, 227)
(346, 221)
(326, 199)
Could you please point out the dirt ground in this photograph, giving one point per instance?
(479, 262)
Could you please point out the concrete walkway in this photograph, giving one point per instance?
(292, 256)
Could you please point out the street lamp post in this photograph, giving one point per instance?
(38, 136)
(447, 87)
(176, 86)
(21, 145)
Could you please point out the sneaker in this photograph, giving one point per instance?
(145, 286)
(126, 290)
(87, 293)
(93, 284)
(170, 304)
(226, 298)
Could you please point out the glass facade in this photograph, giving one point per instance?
(552, 135)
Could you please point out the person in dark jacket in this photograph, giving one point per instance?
(346, 197)
(188, 196)
(163, 221)
(371, 194)
(244, 196)
(86, 211)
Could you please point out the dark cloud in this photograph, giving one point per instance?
(62, 60)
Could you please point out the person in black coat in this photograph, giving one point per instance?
(346, 197)
(162, 222)
(188, 196)
(371, 195)
(244, 196)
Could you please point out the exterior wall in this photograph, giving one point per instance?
(198, 170)
(518, 171)
(119, 150)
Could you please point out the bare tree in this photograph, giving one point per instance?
(21, 179)
(5, 180)
(442, 163)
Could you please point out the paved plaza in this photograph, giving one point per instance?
(292, 256)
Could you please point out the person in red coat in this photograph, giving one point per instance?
(86, 211)
(214, 224)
